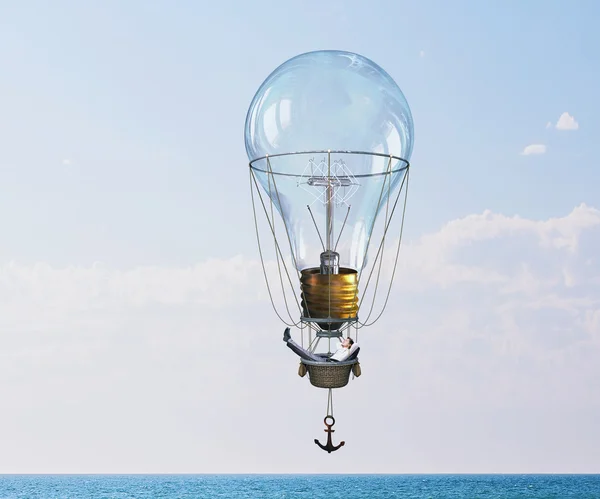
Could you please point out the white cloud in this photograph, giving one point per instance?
(534, 149)
(66, 162)
(491, 318)
(422, 53)
(549, 124)
(566, 122)
(560, 232)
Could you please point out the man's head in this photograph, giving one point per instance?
(348, 342)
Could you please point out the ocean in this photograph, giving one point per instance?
(298, 486)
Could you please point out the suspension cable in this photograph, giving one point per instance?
(395, 260)
(387, 209)
(386, 228)
(262, 262)
(278, 263)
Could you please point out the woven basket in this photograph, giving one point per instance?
(329, 374)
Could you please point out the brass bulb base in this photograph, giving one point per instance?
(329, 296)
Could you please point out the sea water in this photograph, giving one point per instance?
(298, 486)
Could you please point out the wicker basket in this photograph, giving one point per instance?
(329, 374)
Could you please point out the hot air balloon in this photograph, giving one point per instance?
(329, 135)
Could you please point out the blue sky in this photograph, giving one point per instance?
(145, 101)
(124, 190)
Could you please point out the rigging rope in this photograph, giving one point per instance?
(278, 263)
(262, 262)
(387, 209)
(397, 249)
(270, 170)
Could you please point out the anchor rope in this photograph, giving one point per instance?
(330, 403)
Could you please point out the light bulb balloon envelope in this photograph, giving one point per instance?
(329, 135)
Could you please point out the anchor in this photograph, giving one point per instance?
(329, 447)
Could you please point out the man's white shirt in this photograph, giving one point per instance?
(341, 353)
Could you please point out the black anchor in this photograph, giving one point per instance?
(329, 447)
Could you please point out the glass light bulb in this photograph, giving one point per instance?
(325, 107)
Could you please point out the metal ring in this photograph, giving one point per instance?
(365, 153)
(327, 320)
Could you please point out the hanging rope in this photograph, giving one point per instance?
(270, 170)
(278, 262)
(376, 210)
(279, 252)
(386, 227)
(329, 422)
(262, 262)
(388, 179)
(397, 250)
(329, 403)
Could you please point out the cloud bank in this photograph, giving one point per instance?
(487, 352)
